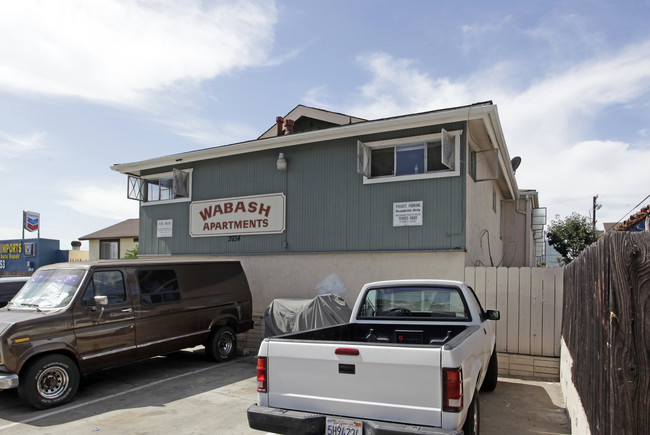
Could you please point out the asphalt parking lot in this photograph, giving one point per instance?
(185, 393)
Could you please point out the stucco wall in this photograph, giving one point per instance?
(93, 249)
(305, 276)
(78, 255)
(126, 244)
(518, 239)
(579, 422)
(484, 244)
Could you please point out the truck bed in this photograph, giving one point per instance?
(381, 333)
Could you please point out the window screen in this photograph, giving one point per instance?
(158, 286)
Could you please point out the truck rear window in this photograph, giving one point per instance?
(440, 303)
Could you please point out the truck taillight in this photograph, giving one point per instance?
(452, 389)
(261, 374)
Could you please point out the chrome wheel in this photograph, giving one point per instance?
(53, 382)
(225, 344)
(222, 344)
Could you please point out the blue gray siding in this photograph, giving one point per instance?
(329, 209)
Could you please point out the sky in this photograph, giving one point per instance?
(88, 84)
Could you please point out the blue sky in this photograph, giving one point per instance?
(87, 84)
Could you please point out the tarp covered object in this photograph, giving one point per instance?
(294, 315)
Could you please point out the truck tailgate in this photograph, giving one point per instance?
(398, 383)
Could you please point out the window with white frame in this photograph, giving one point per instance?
(416, 157)
(157, 188)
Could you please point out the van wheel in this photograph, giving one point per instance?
(49, 381)
(222, 344)
(490, 381)
(473, 419)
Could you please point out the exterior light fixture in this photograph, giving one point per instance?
(281, 163)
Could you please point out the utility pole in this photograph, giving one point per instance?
(596, 206)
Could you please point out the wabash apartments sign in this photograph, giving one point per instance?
(260, 214)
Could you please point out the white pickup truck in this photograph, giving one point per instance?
(412, 359)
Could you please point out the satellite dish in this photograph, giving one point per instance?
(515, 162)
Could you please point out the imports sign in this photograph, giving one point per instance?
(407, 214)
(259, 214)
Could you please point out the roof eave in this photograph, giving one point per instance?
(463, 113)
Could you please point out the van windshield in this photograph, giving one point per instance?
(50, 288)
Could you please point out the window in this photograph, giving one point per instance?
(171, 186)
(409, 158)
(484, 165)
(158, 286)
(108, 283)
(415, 303)
(109, 249)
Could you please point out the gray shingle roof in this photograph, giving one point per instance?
(127, 228)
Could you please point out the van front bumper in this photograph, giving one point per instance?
(284, 421)
(8, 382)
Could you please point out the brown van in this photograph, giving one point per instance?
(74, 318)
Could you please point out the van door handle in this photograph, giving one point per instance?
(127, 310)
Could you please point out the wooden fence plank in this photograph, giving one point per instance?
(512, 315)
(480, 285)
(470, 278)
(559, 297)
(491, 300)
(536, 306)
(502, 306)
(525, 276)
(548, 312)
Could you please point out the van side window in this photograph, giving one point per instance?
(105, 283)
(158, 286)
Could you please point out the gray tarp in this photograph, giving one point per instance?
(294, 315)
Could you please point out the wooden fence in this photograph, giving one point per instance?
(607, 332)
(530, 301)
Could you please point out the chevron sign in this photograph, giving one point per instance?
(32, 220)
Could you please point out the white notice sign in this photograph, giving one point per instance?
(165, 228)
(407, 214)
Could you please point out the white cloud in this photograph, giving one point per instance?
(101, 202)
(398, 88)
(556, 110)
(547, 124)
(613, 170)
(17, 146)
(119, 52)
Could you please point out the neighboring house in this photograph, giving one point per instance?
(639, 221)
(113, 242)
(326, 202)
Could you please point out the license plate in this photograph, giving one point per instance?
(343, 426)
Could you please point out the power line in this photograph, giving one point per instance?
(633, 208)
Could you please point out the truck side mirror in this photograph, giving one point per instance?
(101, 300)
(493, 314)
